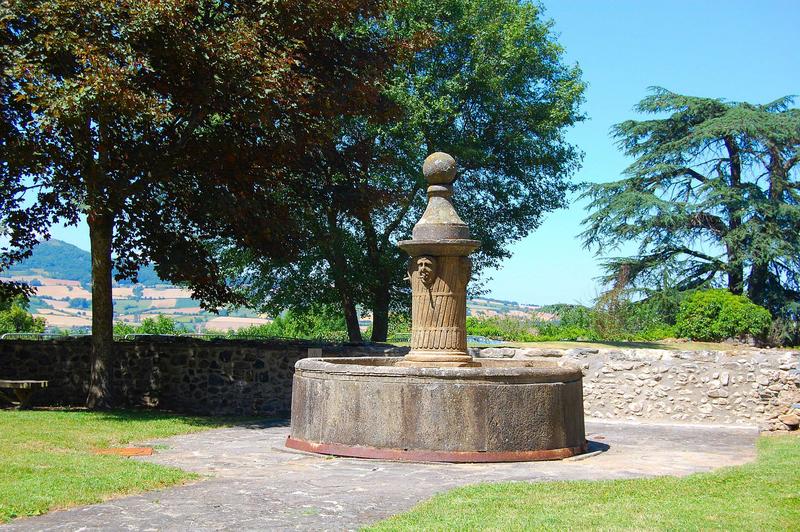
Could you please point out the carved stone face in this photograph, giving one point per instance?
(426, 268)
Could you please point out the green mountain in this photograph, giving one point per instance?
(56, 259)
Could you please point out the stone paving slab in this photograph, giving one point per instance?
(254, 483)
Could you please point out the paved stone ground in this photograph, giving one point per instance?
(256, 484)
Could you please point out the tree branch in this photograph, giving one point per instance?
(691, 173)
(400, 215)
(704, 220)
(790, 163)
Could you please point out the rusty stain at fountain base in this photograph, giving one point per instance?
(423, 455)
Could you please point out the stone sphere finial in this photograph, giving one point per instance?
(439, 169)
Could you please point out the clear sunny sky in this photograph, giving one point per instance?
(737, 50)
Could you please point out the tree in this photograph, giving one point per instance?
(716, 315)
(486, 82)
(135, 114)
(712, 198)
(161, 324)
(15, 318)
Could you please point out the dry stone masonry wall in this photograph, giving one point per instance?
(237, 377)
(757, 387)
(225, 377)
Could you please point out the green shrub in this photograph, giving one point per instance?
(318, 323)
(715, 315)
(16, 319)
(160, 324)
(632, 322)
(575, 316)
(399, 327)
(399, 323)
(502, 328)
(785, 330)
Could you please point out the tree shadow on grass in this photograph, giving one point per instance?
(250, 422)
(133, 415)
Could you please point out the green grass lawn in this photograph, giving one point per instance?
(46, 459)
(764, 495)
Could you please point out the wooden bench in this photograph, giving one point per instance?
(23, 390)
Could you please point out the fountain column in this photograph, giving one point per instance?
(439, 270)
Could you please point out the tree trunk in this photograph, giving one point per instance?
(380, 309)
(735, 266)
(735, 271)
(351, 319)
(342, 285)
(101, 228)
(337, 262)
(379, 281)
(757, 284)
(338, 265)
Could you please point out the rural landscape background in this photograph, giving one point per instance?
(61, 275)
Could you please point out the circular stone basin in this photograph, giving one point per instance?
(499, 411)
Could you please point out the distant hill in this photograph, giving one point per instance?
(57, 259)
(56, 268)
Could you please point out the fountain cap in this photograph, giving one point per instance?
(440, 231)
(439, 169)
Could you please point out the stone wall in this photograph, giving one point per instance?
(743, 387)
(221, 377)
(240, 377)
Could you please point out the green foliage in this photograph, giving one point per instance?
(15, 318)
(399, 327)
(487, 82)
(785, 329)
(318, 323)
(399, 323)
(632, 321)
(574, 316)
(575, 326)
(713, 198)
(617, 317)
(161, 324)
(115, 82)
(133, 306)
(502, 328)
(715, 315)
(168, 124)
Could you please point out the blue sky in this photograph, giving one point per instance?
(737, 50)
(741, 51)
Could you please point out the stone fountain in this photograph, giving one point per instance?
(438, 403)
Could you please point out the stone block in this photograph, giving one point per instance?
(501, 409)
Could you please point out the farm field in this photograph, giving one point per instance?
(60, 273)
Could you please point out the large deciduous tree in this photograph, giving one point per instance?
(486, 82)
(169, 124)
(712, 198)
